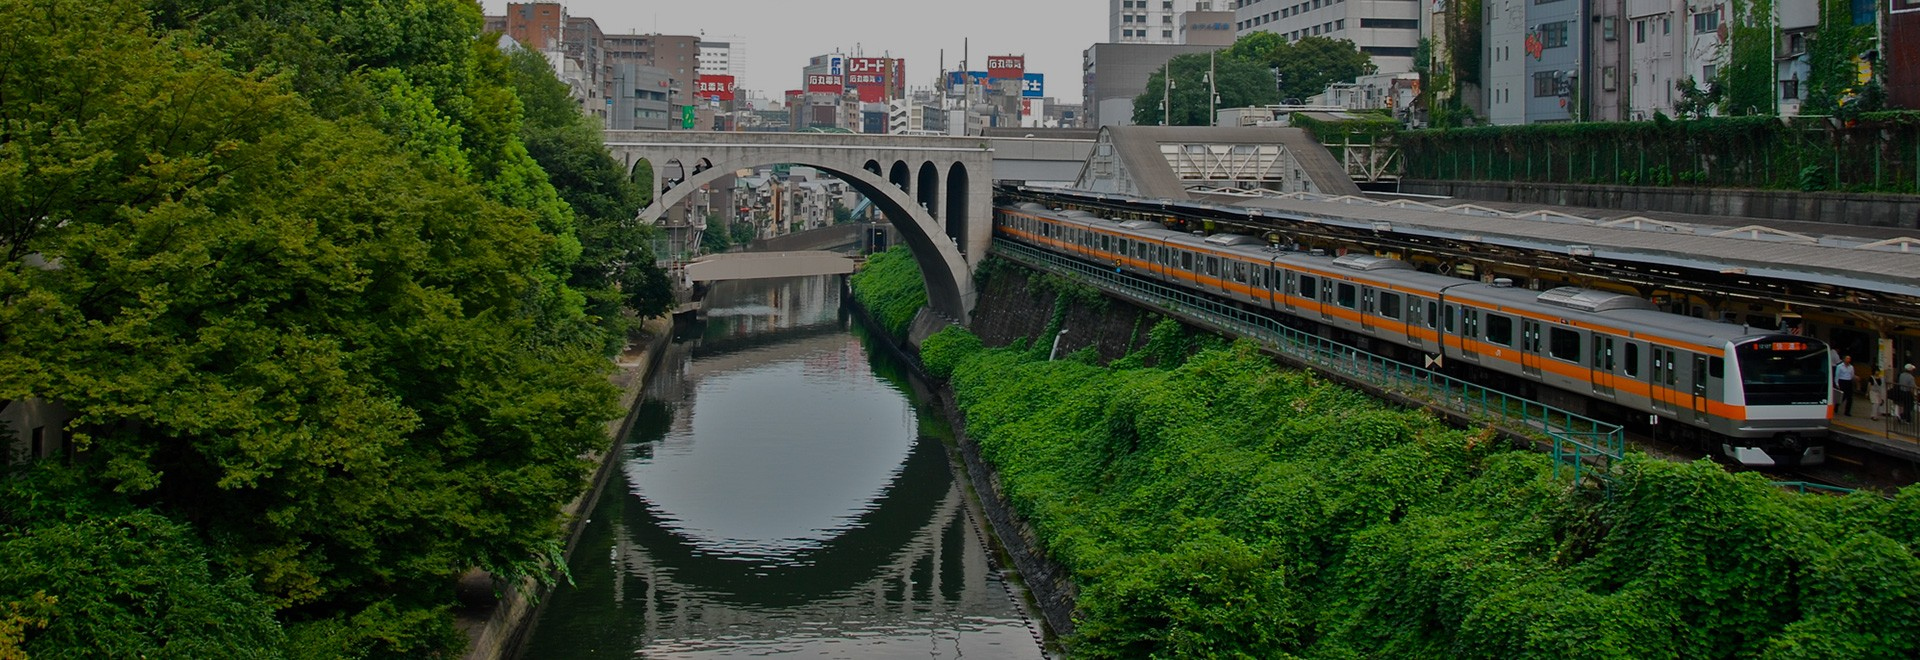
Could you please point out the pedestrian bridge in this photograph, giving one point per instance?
(762, 265)
(935, 191)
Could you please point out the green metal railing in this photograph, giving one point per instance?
(1578, 442)
(1803, 487)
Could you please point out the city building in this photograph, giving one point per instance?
(716, 58)
(1144, 21)
(1113, 74)
(1206, 27)
(1387, 30)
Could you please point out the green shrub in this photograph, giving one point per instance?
(889, 286)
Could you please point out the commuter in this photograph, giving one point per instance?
(1843, 386)
(1903, 394)
(1877, 393)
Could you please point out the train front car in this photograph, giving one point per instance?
(1781, 384)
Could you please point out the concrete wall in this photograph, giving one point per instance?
(1839, 208)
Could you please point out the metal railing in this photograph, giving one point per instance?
(1577, 441)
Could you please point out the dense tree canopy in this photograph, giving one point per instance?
(1246, 76)
(328, 302)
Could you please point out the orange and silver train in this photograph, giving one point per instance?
(1758, 398)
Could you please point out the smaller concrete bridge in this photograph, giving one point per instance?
(762, 265)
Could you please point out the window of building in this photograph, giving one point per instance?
(1640, 31)
(1563, 344)
(1609, 78)
(1790, 90)
(1500, 329)
(1796, 43)
(1390, 23)
(1606, 28)
(1543, 85)
(1340, 24)
(1706, 22)
(1166, 34)
(1666, 25)
(1554, 35)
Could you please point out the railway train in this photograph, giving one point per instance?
(1757, 398)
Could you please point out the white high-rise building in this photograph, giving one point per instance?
(1147, 21)
(716, 58)
(1387, 30)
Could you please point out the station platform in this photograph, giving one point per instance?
(1885, 436)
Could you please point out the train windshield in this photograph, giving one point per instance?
(1781, 371)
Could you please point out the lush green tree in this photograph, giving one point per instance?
(1240, 84)
(351, 365)
(616, 269)
(88, 576)
(1245, 74)
(1309, 65)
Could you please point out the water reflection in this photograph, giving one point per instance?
(781, 499)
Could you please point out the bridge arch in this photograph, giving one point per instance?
(881, 167)
(942, 266)
(956, 216)
(900, 176)
(927, 189)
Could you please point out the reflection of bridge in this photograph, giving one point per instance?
(934, 190)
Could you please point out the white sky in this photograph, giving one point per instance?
(777, 36)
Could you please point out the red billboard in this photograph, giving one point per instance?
(1006, 67)
(877, 79)
(826, 83)
(714, 87)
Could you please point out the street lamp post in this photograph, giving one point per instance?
(1166, 98)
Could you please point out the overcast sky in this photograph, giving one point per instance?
(773, 38)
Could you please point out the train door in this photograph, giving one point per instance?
(1698, 387)
(1290, 288)
(1662, 379)
(1530, 347)
(1418, 319)
(1601, 373)
(1323, 298)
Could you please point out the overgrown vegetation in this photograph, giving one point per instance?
(889, 286)
(1875, 152)
(1218, 506)
(327, 288)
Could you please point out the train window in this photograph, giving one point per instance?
(1603, 353)
(1390, 305)
(1213, 266)
(1240, 272)
(1717, 367)
(1186, 260)
(1105, 243)
(1500, 329)
(1344, 295)
(1632, 362)
(1433, 315)
(1309, 287)
(1563, 344)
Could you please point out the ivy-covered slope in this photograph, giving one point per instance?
(1229, 508)
(889, 286)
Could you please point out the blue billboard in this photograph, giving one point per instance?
(1033, 86)
(955, 79)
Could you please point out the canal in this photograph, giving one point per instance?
(782, 493)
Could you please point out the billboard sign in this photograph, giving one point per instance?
(958, 79)
(1006, 67)
(718, 88)
(836, 66)
(687, 117)
(1033, 85)
(826, 83)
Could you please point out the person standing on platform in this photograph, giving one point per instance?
(1843, 386)
(1877, 393)
(1903, 394)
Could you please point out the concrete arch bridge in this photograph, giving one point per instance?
(936, 191)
